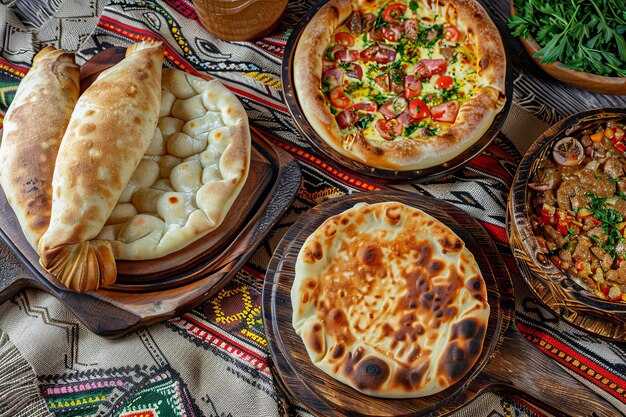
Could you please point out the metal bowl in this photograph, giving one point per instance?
(556, 289)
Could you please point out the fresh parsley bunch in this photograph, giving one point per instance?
(585, 35)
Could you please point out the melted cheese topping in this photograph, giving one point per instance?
(428, 43)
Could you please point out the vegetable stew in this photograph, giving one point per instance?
(578, 208)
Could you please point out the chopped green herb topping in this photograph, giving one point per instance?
(451, 93)
(410, 129)
(434, 32)
(609, 218)
(364, 121)
(380, 98)
(379, 22)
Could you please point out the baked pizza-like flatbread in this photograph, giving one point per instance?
(33, 128)
(389, 301)
(190, 175)
(110, 130)
(400, 85)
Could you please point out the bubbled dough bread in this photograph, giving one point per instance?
(190, 175)
(389, 301)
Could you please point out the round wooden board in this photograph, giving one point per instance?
(325, 395)
(507, 363)
(155, 290)
(379, 174)
(125, 307)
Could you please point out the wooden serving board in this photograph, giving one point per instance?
(507, 362)
(140, 300)
(158, 289)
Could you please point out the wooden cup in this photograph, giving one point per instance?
(240, 20)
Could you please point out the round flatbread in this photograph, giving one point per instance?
(400, 85)
(192, 172)
(389, 301)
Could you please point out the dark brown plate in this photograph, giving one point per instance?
(158, 289)
(506, 362)
(560, 293)
(379, 174)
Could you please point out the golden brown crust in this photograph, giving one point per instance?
(475, 115)
(389, 301)
(307, 69)
(33, 128)
(110, 129)
(208, 137)
(492, 62)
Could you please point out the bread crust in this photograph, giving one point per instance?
(171, 211)
(109, 131)
(33, 128)
(475, 115)
(389, 301)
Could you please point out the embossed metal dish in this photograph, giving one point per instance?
(560, 293)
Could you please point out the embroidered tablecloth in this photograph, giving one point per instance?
(213, 361)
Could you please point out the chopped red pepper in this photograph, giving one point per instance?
(616, 140)
(562, 227)
(596, 221)
(547, 215)
(605, 290)
(579, 264)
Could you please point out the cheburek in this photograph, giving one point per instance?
(190, 175)
(108, 132)
(48, 93)
(389, 301)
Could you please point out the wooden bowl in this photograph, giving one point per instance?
(583, 80)
(558, 291)
(240, 20)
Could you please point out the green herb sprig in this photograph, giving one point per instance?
(610, 218)
(364, 121)
(585, 35)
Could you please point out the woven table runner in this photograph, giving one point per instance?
(213, 361)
